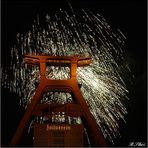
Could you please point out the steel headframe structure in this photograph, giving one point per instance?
(70, 86)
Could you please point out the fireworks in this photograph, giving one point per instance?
(65, 34)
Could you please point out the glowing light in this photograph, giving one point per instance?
(71, 34)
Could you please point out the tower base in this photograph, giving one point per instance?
(58, 135)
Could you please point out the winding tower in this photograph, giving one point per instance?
(78, 108)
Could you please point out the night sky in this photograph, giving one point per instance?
(130, 17)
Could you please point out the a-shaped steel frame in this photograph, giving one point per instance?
(70, 85)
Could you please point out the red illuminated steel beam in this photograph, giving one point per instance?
(57, 60)
(70, 85)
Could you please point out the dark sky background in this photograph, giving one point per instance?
(129, 16)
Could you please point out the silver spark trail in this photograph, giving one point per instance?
(65, 34)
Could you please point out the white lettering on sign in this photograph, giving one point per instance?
(58, 127)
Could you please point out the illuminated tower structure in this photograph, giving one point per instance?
(78, 108)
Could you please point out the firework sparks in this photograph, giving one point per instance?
(70, 34)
